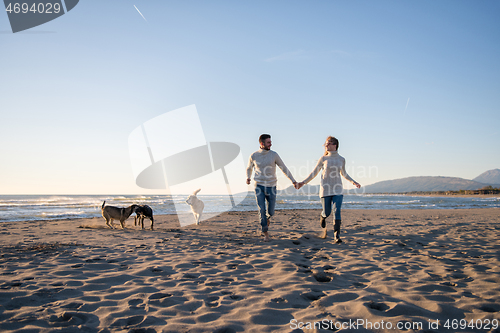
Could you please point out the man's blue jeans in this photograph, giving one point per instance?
(328, 202)
(263, 194)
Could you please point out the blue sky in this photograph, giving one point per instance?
(410, 88)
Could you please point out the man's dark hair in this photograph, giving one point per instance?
(264, 137)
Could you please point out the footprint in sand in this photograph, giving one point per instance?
(279, 300)
(166, 300)
(321, 276)
(212, 301)
(9, 285)
(126, 322)
(213, 284)
(155, 297)
(136, 303)
(236, 297)
(303, 268)
(71, 319)
(377, 306)
(490, 307)
(313, 295)
(462, 277)
(155, 269)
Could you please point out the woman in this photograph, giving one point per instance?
(331, 190)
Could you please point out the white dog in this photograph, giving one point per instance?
(196, 205)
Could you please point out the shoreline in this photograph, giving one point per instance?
(436, 194)
(456, 195)
(394, 266)
(346, 207)
(48, 208)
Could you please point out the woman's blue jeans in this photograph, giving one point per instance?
(328, 202)
(263, 194)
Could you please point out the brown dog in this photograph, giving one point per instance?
(111, 213)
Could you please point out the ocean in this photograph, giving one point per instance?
(50, 207)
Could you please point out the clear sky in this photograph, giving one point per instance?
(410, 88)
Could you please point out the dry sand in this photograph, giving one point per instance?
(406, 267)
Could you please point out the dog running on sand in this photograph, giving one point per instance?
(111, 213)
(196, 205)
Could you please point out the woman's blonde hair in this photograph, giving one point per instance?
(333, 140)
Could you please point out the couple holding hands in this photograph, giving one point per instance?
(332, 165)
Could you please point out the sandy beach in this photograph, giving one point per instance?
(397, 270)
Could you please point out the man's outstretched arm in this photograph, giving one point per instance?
(282, 166)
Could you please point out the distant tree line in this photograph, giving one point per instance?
(485, 190)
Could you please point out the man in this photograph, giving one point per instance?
(264, 162)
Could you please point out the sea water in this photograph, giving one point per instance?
(50, 207)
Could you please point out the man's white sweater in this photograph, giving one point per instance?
(264, 162)
(333, 165)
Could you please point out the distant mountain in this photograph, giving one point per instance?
(425, 184)
(489, 177)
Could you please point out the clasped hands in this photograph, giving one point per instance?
(298, 185)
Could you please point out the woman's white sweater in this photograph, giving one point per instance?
(333, 165)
